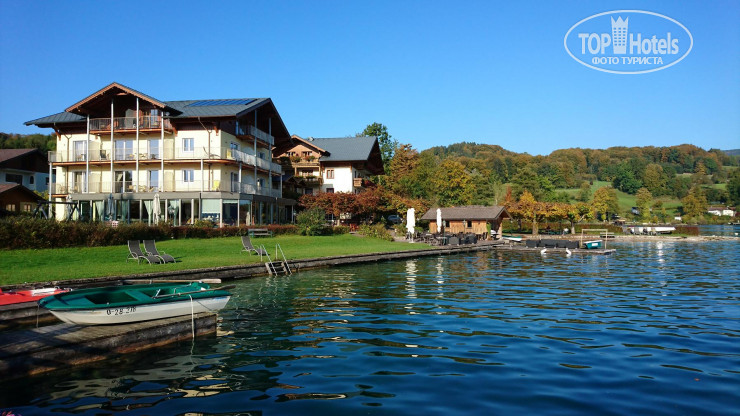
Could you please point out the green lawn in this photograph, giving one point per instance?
(21, 266)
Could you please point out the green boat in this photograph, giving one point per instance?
(592, 244)
(135, 303)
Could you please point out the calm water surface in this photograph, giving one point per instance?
(654, 330)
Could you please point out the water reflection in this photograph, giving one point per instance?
(505, 332)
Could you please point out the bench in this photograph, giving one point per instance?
(260, 232)
(607, 235)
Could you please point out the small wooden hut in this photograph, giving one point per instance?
(469, 219)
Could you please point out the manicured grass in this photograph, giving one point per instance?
(27, 266)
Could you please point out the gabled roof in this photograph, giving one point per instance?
(9, 154)
(470, 212)
(111, 89)
(14, 187)
(178, 110)
(31, 160)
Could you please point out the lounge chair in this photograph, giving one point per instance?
(151, 249)
(249, 248)
(135, 253)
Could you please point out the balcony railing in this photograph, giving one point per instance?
(167, 186)
(255, 132)
(168, 153)
(98, 125)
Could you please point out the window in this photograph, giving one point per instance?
(329, 190)
(27, 207)
(188, 144)
(153, 149)
(307, 154)
(188, 175)
(12, 177)
(79, 182)
(468, 224)
(260, 183)
(10, 207)
(330, 174)
(123, 181)
(31, 180)
(262, 155)
(124, 150)
(153, 180)
(234, 146)
(79, 150)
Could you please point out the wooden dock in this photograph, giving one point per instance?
(556, 251)
(38, 350)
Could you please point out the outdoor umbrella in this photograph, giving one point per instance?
(439, 220)
(410, 222)
(155, 208)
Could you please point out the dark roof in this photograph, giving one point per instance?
(471, 212)
(7, 187)
(185, 108)
(345, 148)
(8, 154)
(32, 160)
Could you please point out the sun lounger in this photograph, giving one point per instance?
(135, 253)
(249, 248)
(151, 249)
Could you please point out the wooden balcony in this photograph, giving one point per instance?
(128, 124)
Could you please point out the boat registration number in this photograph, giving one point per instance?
(122, 311)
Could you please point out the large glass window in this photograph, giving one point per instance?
(79, 150)
(124, 150)
(124, 181)
(153, 149)
(188, 175)
(153, 181)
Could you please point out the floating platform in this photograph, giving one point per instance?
(557, 251)
(24, 314)
(38, 350)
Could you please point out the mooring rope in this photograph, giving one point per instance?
(192, 315)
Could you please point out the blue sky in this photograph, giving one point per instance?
(434, 72)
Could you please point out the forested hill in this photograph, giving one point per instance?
(43, 142)
(665, 171)
(733, 152)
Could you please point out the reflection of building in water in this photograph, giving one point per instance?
(411, 271)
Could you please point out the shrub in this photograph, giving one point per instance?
(375, 231)
(310, 222)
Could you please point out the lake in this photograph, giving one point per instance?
(653, 329)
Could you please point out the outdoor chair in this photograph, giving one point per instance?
(454, 241)
(151, 249)
(135, 253)
(249, 248)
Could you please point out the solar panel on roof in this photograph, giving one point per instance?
(206, 103)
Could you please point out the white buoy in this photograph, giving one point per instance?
(543, 251)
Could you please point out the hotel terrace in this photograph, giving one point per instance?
(128, 157)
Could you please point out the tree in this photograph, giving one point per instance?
(528, 180)
(655, 179)
(695, 203)
(387, 144)
(400, 173)
(733, 187)
(584, 193)
(452, 184)
(529, 208)
(644, 201)
(625, 179)
(605, 202)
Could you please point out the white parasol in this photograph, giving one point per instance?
(439, 220)
(410, 222)
(155, 208)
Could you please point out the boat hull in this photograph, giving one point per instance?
(592, 244)
(32, 295)
(138, 313)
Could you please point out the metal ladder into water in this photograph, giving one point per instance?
(277, 267)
